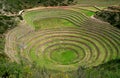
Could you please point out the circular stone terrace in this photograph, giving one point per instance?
(60, 46)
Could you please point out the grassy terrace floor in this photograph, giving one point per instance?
(53, 16)
(52, 23)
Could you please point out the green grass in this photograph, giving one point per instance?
(63, 56)
(52, 23)
(87, 13)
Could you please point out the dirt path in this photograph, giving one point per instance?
(37, 8)
(98, 20)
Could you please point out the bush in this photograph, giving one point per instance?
(111, 15)
(6, 22)
(15, 6)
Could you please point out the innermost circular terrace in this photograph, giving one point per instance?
(64, 56)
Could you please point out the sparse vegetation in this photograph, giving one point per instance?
(110, 15)
(6, 23)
